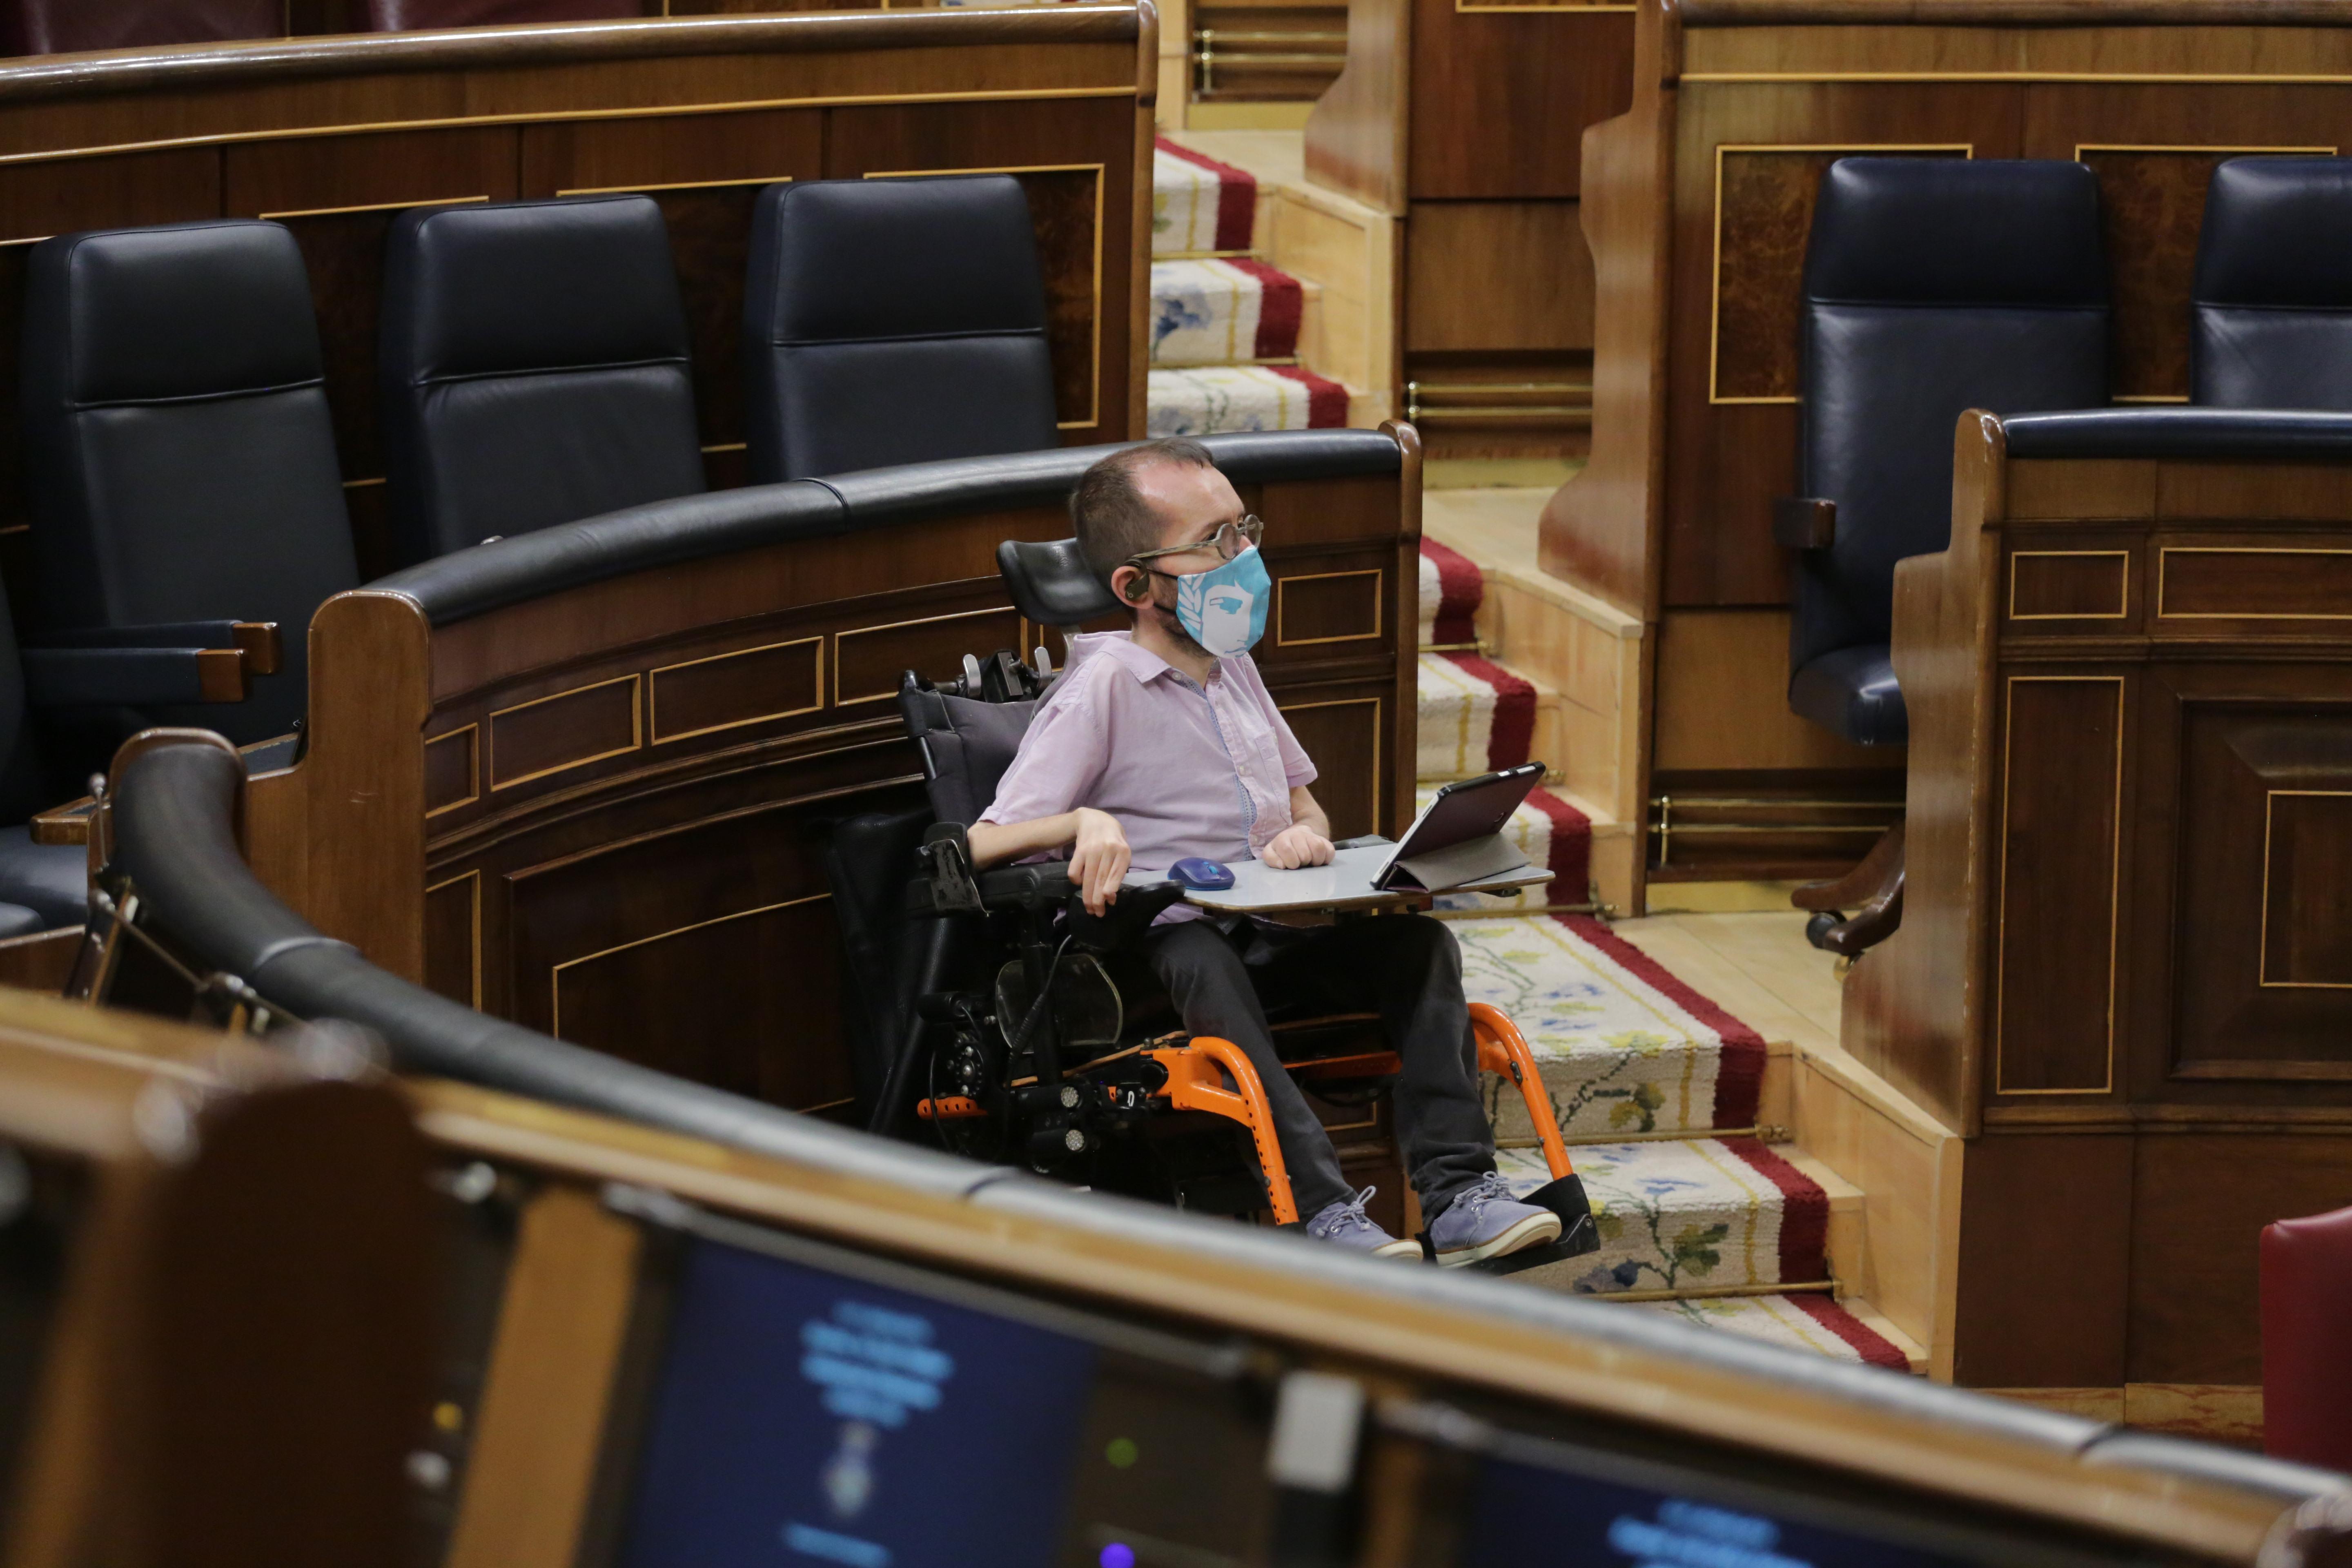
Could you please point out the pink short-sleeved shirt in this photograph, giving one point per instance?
(1186, 770)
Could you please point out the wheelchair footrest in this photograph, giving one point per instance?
(1579, 1234)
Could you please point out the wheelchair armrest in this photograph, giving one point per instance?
(71, 676)
(1127, 918)
(1802, 523)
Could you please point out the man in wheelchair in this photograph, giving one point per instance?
(1162, 744)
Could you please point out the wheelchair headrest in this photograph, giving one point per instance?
(967, 744)
(1052, 583)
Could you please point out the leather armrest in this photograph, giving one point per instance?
(1799, 523)
(257, 642)
(69, 677)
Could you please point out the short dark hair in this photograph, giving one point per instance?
(1112, 519)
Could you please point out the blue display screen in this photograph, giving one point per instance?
(1523, 1516)
(801, 1418)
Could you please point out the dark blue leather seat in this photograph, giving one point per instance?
(2270, 311)
(180, 453)
(534, 367)
(889, 322)
(69, 27)
(1932, 286)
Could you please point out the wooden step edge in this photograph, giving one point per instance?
(1556, 592)
(1885, 1326)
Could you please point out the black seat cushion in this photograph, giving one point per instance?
(535, 368)
(1932, 286)
(891, 322)
(180, 454)
(50, 880)
(2272, 305)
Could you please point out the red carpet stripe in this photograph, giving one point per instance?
(1462, 587)
(1571, 864)
(1236, 195)
(1327, 401)
(1282, 306)
(1513, 734)
(1804, 1212)
(1740, 1073)
(1875, 1348)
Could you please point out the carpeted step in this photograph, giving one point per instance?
(1451, 588)
(1214, 399)
(1476, 717)
(1224, 312)
(1199, 205)
(1686, 1214)
(1625, 1046)
(1812, 1322)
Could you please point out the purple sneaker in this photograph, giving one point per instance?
(1347, 1224)
(1485, 1221)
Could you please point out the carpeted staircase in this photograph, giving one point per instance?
(1656, 1087)
(1225, 324)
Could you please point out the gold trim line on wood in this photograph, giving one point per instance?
(839, 701)
(636, 730)
(1379, 607)
(474, 769)
(2262, 980)
(671, 186)
(1094, 380)
(2115, 888)
(652, 684)
(1715, 274)
(550, 116)
(2083, 147)
(475, 877)
(2165, 553)
(555, 975)
(2123, 612)
(375, 208)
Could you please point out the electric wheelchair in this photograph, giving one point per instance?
(999, 1019)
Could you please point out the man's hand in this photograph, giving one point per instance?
(1295, 846)
(1098, 859)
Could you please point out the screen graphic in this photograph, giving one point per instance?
(1521, 1516)
(802, 1419)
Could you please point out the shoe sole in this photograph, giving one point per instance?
(1408, 1250)
(1533, 1231)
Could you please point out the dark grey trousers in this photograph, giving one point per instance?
(1407, 969)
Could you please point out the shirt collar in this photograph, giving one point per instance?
(1120, 648)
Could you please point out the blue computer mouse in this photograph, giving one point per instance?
(1195, 872)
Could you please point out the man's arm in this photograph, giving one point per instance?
(1306, 841)
(1098, 852)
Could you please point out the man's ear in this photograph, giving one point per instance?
(1130, 584)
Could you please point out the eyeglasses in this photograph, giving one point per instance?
(1230, 539)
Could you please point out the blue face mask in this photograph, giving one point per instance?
(1224, 610)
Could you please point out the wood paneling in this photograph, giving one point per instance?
(1344, 735)
(868, 659)
(720, 691)
(1498, 97)
(565, 730)
(1328, 609)
(2070, 585)
(1510, 276)
(2221, 583)
(2046, 1263)
(2060, 854)
(453, 938)
(452, 770)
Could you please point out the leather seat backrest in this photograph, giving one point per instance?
(967, 746)
(2306, 1286)
(179, 451)
(1932, 286)
(891, 322)
(535, 368)
(420, 16)
(2271, 308)
(70, 27)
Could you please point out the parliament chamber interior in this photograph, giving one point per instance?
(643, 923)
